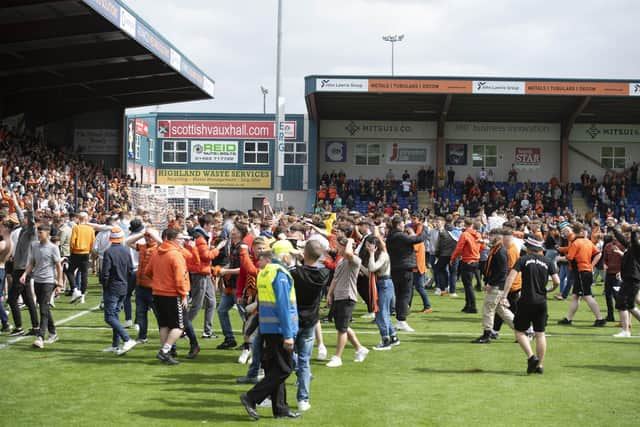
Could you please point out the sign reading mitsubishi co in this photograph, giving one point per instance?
(214, 151)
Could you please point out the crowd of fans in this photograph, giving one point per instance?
(287, 273)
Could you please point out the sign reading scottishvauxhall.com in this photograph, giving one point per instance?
(218, 178)
(214, 151)
(222, 129)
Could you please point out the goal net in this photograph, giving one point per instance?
(164, 202)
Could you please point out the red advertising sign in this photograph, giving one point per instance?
(142, 127)
(527, 157)
(221, 129)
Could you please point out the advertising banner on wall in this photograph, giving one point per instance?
(407, 153)
(148, 173)
(142, 127)
(457, 154)
(335, 151)
(527, 158)
(218, 178)
(96, 141)
(214, 151)
(222, 129)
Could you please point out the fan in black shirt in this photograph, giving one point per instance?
(532, 306)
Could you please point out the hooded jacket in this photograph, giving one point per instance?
(446, 242)
(309, 283)
(203, 264)
(168, 271)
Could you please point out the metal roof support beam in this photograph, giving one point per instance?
(440, 144)
(565, 131)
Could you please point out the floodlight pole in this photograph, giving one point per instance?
(265, 92)
(278, 168)
(393, 39)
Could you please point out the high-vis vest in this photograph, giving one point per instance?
(267, 302)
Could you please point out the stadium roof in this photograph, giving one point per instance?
(473, 99)
(58, 57)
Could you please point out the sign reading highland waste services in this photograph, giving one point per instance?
(218, 178)
(214, 151)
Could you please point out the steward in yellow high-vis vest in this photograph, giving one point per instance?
(278, 312)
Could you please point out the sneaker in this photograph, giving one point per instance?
(437, 292)
(483, 339)
(494, 335)
(136, 327)
(600, 323)
(368, 316)
(395, 341)
(142, 341)
(128, 345)
(193, 352)
(564, 321)
(247, 380)
(76, 295)
(335, 362)
(174, 353)
(404, 326)
(384, 345)
(52, 338)
(101, 306)
(110, 350)
(82, 299)
(17, 332)
(532, 364)
(38, 343)
(244, 356)
(361, 355)
(539, 370)
(166, 358)
(227, 345)
(453, 295)
(303, 405)
(427, 311)
(623, 334)
(128, 324)
(559, 297)
(208, 335)
(32, 332)
(322, 352)
(266, 403)
(5, 327)
(444, 293)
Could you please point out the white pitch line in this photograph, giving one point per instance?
(61, 322)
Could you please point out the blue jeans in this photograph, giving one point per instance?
(226, 303)
(4, 317)
(144, 303)
(303, 349)
(131, 285)
(418, 283)
(385, 299)
(112, 304)
(256, 355)
(566, 280)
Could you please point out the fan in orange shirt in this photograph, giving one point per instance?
(583, 255)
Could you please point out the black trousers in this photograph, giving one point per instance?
(278, 365)
(43, 295)
(81, 263)
(467, 273)
(403, 287)
(363, 291)
(513, 298)
(15, 290)
(609, 282)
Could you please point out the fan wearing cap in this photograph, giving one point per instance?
(532, 305)
(278, 322)
(114, 277)
(44, 266)
(566, 273)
